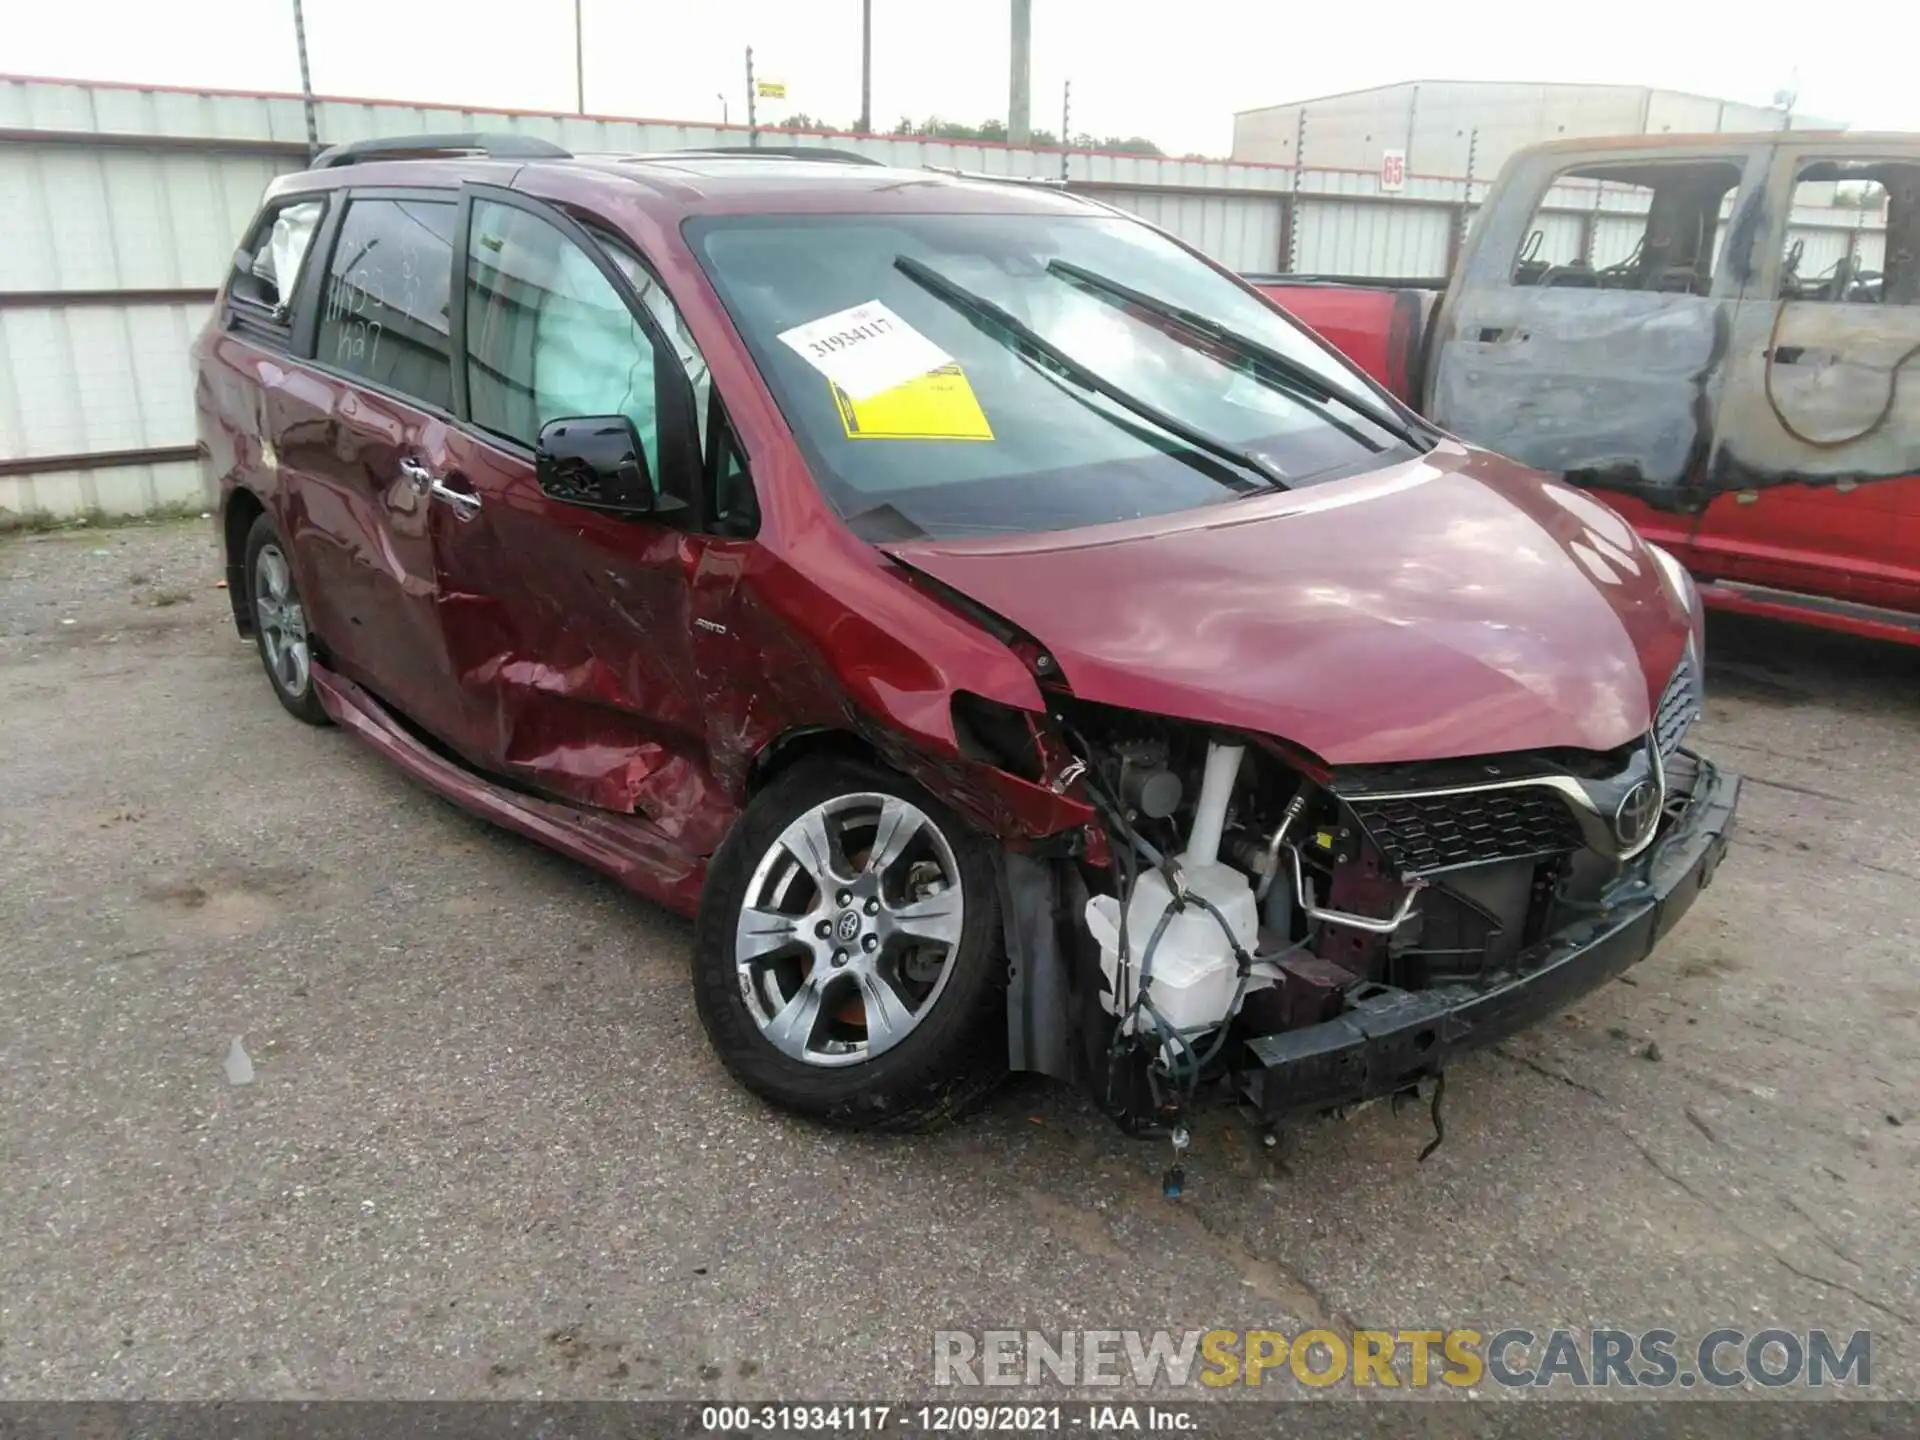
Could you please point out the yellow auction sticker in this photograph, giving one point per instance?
(939, 405)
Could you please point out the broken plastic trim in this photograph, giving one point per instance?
(996, 734)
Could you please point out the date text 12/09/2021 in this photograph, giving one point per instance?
(964, 1419)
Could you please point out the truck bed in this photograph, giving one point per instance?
(1380, 325)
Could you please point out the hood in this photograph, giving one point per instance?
(1458, 604)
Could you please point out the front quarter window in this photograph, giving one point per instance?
(548, 337)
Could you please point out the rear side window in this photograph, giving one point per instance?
(385, 317)
(266, 269)
(1854, 235)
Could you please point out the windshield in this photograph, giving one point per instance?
(919, 415)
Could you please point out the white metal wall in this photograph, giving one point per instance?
(1446, 125)
(87, 379)
(1336, 238)
(120, 208)
(1243, 234)
(73, 218)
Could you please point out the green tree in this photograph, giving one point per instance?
(995, 130)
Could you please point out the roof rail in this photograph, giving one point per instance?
(503, 145)
(1052, 182)
(772, 152)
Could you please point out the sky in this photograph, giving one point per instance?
(1172, 72)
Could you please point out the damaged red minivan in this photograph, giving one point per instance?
(1019, 643)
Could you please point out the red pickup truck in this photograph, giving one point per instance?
(1710, 330)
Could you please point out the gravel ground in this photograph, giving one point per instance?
(485, 1151)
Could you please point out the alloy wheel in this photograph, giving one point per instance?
(850, 929)
(282, 621)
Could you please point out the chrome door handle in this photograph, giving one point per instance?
(415, 474)
(465, 506)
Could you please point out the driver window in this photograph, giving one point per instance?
(1853, 236)
(1654, 226)
(548, 336)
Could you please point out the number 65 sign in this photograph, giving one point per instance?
(1393, 171)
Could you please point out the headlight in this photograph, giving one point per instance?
(1688, 594)
(1680, 703)
(1677, 577)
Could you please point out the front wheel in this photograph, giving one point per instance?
(848, 962)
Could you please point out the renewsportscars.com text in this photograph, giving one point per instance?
(1513, 1358)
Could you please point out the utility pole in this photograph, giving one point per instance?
(1787, 98)
(579, 62)
(1290, 248)
(721, 96)
(1463, 221)
(753, 123)
(306, 80)
(865, 127)
(1066, 120)
(1020, 84)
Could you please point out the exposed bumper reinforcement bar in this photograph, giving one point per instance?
(1393, 1037)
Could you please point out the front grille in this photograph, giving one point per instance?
(1423, 834)
(1679, 708)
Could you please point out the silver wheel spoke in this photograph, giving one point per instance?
(936, 918)
(274, 566)
(765, 932)
(899, 823)
(888, 1018)
(809, 842)
(297, 662)
(792, 1029)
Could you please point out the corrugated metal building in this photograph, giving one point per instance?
(1472, 127)
(120, 207)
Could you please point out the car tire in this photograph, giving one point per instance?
(279, 623)
(912, 941)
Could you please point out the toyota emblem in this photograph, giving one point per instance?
(1634, 817)
(847, 926)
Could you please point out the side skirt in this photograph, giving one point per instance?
(1850, 617)
(627, 848)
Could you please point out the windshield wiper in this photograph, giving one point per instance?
(987, 315)
(1283, 371)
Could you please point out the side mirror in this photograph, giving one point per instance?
(596, 461)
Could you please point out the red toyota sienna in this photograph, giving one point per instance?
(1019, 643)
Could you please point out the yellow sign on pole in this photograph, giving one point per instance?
(771, 89)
